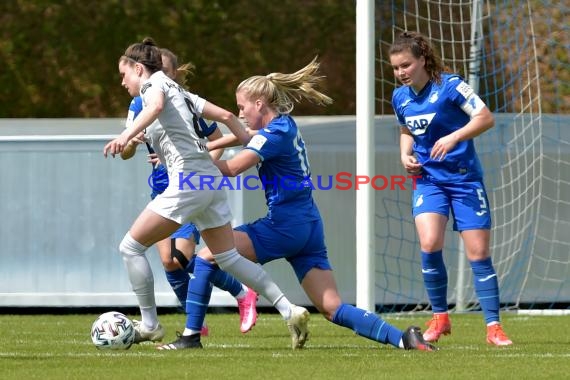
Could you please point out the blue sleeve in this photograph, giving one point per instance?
(208, 127)
(136, 106)
(457, 90)
(134, 109)
(268, 144)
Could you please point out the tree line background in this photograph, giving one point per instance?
(59, 58)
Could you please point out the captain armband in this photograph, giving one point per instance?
(473, 105)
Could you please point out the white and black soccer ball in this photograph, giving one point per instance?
(113, 330)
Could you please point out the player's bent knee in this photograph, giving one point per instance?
(170, 265)
(130, 246)
(175, 253)
(328, 307)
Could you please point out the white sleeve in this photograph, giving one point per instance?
(472, 105)
(197, 101)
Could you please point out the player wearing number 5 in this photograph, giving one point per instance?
(439, 115)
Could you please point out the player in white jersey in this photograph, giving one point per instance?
(170, 121)
(177, 253)
(439, 115)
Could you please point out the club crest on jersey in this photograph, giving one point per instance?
(433, 98)
(419, 124)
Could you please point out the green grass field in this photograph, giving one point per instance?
(59, 347)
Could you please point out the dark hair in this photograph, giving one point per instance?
(173, 58)
(420, 46)
(145, 53)
(182, 71)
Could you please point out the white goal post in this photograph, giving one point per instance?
(509, 51)
(365, 148)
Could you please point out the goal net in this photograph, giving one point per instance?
(515, 54)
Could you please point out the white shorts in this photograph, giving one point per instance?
(206, 208)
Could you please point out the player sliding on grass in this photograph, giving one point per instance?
(440, 115)
(177, 252)
(293, 228)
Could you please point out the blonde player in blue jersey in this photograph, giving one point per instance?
(170, 120)
(440, 115)
(177, 252)
(292, 228)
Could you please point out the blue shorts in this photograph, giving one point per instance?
(467, 201)
(186, 231)
(303, 245)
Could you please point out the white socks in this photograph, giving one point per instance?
(284, 307)
(255, 277)
(141, 278)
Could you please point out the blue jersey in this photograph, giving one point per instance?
(135, 108)
(284, 172)
(431, 114)
(159, 172)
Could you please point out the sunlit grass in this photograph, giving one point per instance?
(59, 347)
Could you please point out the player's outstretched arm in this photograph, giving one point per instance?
(242, 161)
(213, 112)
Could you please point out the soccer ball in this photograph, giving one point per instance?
(113, 330)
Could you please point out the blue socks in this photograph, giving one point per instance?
(227, 282)
(199, 293)
(487, 288)
(435, 280)
(484, 279)
(178, 280)
(367, 324)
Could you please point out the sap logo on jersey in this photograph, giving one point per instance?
(418, 124)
